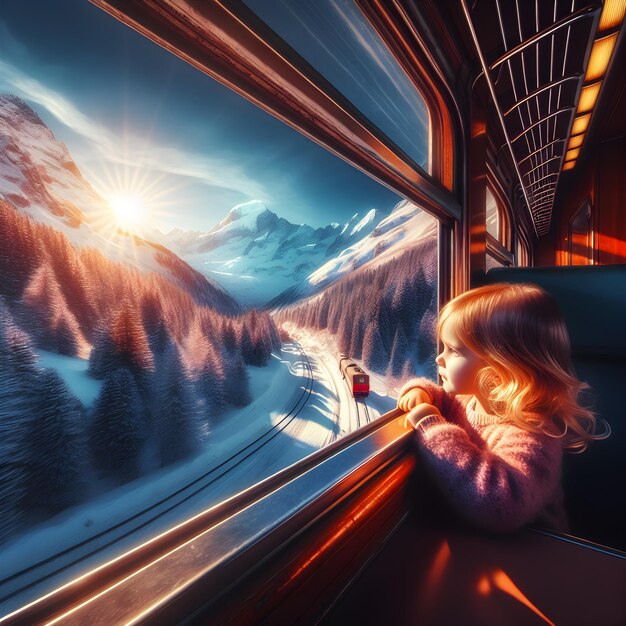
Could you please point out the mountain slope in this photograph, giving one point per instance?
(256, 254)
(39, 177)
(400, 231)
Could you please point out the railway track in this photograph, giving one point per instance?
(14, 583)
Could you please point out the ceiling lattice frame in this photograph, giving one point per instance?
(533, 55)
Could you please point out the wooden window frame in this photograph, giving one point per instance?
(522, 242)
(500, 249)
(587, 206)
(229, 43)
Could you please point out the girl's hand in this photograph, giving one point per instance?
(419, 412)
(412, 398)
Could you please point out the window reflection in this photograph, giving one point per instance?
(339, 42)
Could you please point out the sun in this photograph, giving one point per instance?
(129, 210)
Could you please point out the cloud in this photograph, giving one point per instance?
(128, 150)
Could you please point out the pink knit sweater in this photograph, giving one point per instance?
(494, 474)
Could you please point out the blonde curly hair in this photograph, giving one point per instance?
(519, 332)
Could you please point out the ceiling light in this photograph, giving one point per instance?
(580, 124)
(572, 154)
(600, 56)
(612, 14)
(576, 141)
(588, 97)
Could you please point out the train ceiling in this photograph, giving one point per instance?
(544, 63)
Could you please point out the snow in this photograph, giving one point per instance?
(329, 412)
(74, 372)
(40, 170)
(405, 226)
(258, 261)
(240, 217)
(368, 219)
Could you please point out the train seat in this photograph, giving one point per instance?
(593, 302)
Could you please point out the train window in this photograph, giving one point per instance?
(580, 236)
(339, 42)
(498, 231)
(178, 285)
(492, 216)
(523, 255)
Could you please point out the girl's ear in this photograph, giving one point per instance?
(487, 379)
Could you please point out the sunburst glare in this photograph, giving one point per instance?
(129, 210)
(136, 201)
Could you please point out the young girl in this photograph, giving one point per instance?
(493, 436)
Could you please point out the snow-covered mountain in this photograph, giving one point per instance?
(39, 177)
(257, 255)
(406, 225)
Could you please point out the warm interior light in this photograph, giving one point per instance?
(572, 154)
(600, 56)
(576, 142)
(580, 124)
(568, 165)
(612, 14)
(588, 97)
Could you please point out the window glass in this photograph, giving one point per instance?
(492, 215)
(339, 42)
(522, 252)
(580, 237)
(491, 262)
(178, 283)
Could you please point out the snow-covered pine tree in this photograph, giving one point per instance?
(261, 347)
(334, 315)
(427, 337)
(399, 353)
(46, 315)
(153, 319)
(344, 330)
(404, 303)
(322, 316)
(375, 356)
(117, 430)
(236, 382)
(20, 253)
(130, 339)
(66, 340)
(55, 454)
(275, 335)
(356, 340)
(229, 338)
(18, 378)
(179, 426)
(244, 340)
(210, 383)
(122, 343)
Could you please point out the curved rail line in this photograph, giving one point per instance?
(360, 402)
(366, 410)
(234, 460)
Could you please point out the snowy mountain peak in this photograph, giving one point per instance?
(8, 101)
(39, 178)
(244, 214)
(369, 218)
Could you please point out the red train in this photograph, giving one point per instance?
(358, 381)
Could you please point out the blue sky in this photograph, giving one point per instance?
(137, 119)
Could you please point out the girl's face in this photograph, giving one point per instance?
(458, 365)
